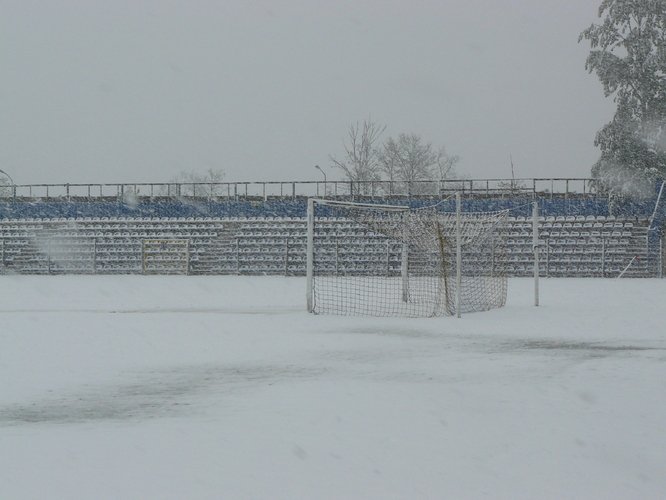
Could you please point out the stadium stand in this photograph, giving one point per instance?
(580, 235)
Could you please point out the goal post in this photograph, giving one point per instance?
(393, 260)
(313, 204)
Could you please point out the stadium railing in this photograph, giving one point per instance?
(265, 190)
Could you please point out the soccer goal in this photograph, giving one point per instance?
(390, 260)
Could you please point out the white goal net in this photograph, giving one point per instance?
(383, 260)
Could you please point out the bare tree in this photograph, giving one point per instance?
(446, 164)
(415, 164)
(195, 183)
(6, 183)
(389, 164)
(5, 188)
(514, 186)
(360, 162)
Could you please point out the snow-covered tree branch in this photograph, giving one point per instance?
(628, 54)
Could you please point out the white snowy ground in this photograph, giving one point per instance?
(223, 387)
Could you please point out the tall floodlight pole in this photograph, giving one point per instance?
(535, 246)
(324, 174)
(404, 261)
(458, 253)
(309, 264)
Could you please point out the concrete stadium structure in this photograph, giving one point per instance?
(233, 231)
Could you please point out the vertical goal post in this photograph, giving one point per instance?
(309, 263)
(393, 260)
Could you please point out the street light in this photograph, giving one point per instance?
(324, 174)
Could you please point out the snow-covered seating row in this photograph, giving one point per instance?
(179, 208)
(570, 246)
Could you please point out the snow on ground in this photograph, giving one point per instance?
(223, 387)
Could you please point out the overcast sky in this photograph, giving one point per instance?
(136, 91)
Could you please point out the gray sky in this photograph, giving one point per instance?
(136, 91)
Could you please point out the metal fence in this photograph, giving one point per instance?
(553, 187)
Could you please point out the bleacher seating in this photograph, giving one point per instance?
(570, 246)
(580, 235)
(179, 209)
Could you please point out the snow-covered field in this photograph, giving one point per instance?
(224, 387)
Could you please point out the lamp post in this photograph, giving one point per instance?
(324, 174)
